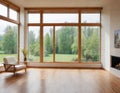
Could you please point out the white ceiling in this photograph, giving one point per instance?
(60, 3)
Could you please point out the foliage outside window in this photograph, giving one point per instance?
(66, 49)
(48, 44)
(8, 39)
(34, 43)
(90, 43)
(66, 44)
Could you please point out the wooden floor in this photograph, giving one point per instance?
(60, 81)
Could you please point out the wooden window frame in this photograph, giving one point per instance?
(10, 5)
(64, 10)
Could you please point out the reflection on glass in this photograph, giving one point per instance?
(48, 44)
(13, 14)
(8, 39)
(66, 44)
(3, 10)
(34, 43)
(33, 18)
(90, 18)
(90, 44)
(60, 18)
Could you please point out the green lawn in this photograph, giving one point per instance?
(59, 58)
(62, 57)
(49, 58)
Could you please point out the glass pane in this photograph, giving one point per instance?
(8, 39)
(13, 14)
(33, 18)
(48, 44)
(60, 18)
(90, 18)
(3, 10)
(34, 43)
(66, 44)
(90, 44)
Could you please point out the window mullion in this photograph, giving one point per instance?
(79, 38)
(54, 45)
(41, 37)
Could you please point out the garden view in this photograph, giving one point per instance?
(8, 42)
(65, 47)
(66, 44)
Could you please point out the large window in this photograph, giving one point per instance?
(9, 33)
(66, 35)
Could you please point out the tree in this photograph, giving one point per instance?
(90, 44)
(0, 42)
(65, 39)
(34, 44)
(51, 40)
(36, 51)
(31, 41)
(47, 43)
(74, 46)
(9, 41)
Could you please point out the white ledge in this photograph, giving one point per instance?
(65, 65)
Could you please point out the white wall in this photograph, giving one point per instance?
(105, 37)
(115, 25)
(110, 23)
(21, 32)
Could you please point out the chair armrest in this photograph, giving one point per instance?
(10, 64)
